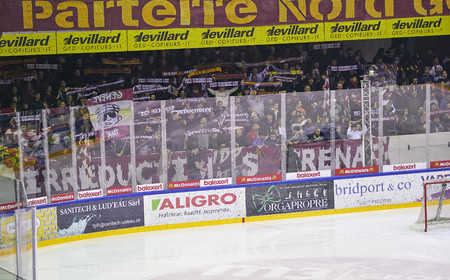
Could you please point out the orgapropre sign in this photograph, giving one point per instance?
(289, 198)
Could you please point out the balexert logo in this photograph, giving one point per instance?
(215, 182)
(88, 194)
(37, 201)
(91, 39)
(195, 201)
(161, 36)
(355, 27)
(151, 187)
(418, 23)
(404, 167)
(228, 33)
(24, 42)
(308, 175)
(292, 30)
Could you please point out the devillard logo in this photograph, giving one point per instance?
(418, 23)
(228, 33)
(91, 39)
(161, 36)
(355, 27)
(24, 42)
(292, 30)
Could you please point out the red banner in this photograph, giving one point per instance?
(356, 170)
(34, 15)
(440, 164)
(251, 162)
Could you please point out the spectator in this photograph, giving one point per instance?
(298, 134)
(195, 164)
(176, 133)
(272, 139)
(436, 125)
(267, 124)
(222, 94)
(317, 135)
(426, 77)
(253, 133)
(36, 104)
(354, 131)
(76, 80)
(241, 140)
(293, 163)
(436, 69)
(406, 123)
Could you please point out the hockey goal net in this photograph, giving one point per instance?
(435, 212)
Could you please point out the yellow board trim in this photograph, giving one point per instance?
(227, 221)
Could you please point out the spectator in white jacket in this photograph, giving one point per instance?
(354, 131)
(222, 94)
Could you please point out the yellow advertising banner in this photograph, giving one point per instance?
(47, 228)
(68, 42)
(294, 33)
(141, 40)
(91, 41)
(355, 30)
(416, 27)
(224, 37)
(19, 44)
(8, 234)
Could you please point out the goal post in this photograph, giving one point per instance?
(435, 211)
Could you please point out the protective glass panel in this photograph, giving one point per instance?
(260, 153)
(308, 127)
(148, 145)
(32, 145)
(62, 179)
(406, 104)
(88, 155)
(197, 140)
(9, 153)
(439, 123)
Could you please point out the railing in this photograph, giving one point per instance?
(116, 146)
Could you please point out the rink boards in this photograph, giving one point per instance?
(226, 204)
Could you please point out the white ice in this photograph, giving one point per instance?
(368, 245)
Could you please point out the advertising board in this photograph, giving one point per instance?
(100, 215)
(194, 206)
(382, 190)
(289, 198)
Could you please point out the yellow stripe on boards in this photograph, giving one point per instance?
(227, 221)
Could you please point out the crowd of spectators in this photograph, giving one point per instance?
(257, 75)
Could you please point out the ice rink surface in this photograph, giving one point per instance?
(368, 245)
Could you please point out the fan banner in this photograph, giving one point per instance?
(112, 111)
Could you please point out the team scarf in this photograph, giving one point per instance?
(93, 71)
(43, 66)
(206, 71)
(121, 61)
